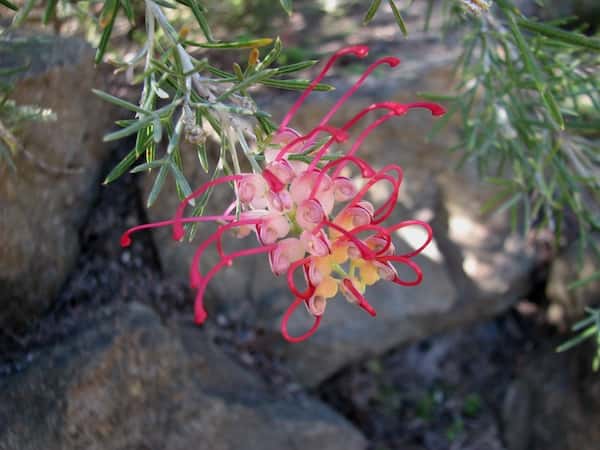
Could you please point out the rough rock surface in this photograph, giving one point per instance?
(563, 395)
(129, 381)
(45, 201)
(475, 268)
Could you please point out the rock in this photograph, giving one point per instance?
(516, 416)
(44, 203)
(568, 305)
(128, 381)
(565, 400)
(474, 269)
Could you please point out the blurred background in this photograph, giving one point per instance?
(98, 349)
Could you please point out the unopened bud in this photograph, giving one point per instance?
(477, 7)
(253, 57)
(183, 32)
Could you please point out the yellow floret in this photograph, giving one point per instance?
(368, 273)
(339, 254)
(323, 265)
(327, 288)
(344, 221)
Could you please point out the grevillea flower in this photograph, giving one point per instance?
(313, 222)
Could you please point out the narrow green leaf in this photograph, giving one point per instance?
(220, 73)
(398, 17)
(134, 127)
(235, 44)
(143, 140)
(254, 78)
(23, 13)
(9, 71)
(187, 3)
(122, 167)
(266, 124)
(5, 154)
(180, 180)
(287, 6)
(495, 201)
(165, 4)
(428, 14)
(528, 58)
(296, 85)
(588, 333)
(198, 210)
(202, 156)
(371, 11)
(568, 37)
(553, 108)
(156, 130)
(271, 56)
(157, 186)
(119, 102)
(433, 97)
(103, 44)
(148, 165)
(49, 11)
(238, 71)
(214, 123)
(584, 323)
(508, 205)
(579, 283)
(527, 221)
(201, 19)
(177, 162)
(296, 67)
(150, 149)
(8, 4)
(176, 136)
(128, 11)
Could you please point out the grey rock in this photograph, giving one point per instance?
(44, 203)
(564, 401)
(128, 381)
(474, 269)
(516, 415)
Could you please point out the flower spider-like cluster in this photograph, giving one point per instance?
(308, 217)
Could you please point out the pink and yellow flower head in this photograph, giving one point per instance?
(310, 218)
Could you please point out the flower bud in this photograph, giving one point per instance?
(251, 187)
(282, 170)
(279, 201)
(361, 214)
(309, 214)
(313, 274)
(302, 187)
(344, 189)
(316, 245)
(380, 245)
(386, 271)
(273, 228)
(287, 251)
(316, 305)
